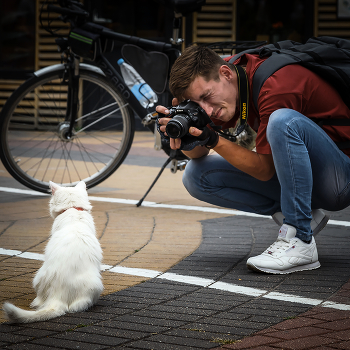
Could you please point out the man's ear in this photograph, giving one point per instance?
(226, 72)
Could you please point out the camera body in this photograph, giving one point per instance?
(185, 115)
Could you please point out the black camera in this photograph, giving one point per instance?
(185, 115)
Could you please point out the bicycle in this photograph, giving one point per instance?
(53, 130)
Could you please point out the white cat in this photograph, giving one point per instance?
(70, 278)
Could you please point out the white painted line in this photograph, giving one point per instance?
(292, 298)
(334, 305)
(19, 254)
(197, 281)
(33, 256)
(113, 200)
(338, 223)
(234, 288)
(135, 271)
(10, 252)
(105, 267)
(17, 190)
(167, 206)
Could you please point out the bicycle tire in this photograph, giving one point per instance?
(32, 126)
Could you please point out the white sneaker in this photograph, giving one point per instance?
(288, 254)
(318, 222)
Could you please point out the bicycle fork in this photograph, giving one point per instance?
(66, 128)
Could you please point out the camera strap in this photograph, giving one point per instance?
(243, 90)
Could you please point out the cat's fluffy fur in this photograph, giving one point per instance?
(70, 277)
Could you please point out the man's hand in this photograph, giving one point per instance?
(195, 137)
(162, 123)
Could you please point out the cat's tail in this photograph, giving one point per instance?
(16, 315)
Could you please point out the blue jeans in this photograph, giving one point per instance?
(311, 173)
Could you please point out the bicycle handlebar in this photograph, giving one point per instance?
(65, 11)
(145, 43)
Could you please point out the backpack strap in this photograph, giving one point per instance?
(277, 60)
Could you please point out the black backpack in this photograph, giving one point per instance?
(328, 57)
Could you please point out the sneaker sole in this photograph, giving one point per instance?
(312, 266)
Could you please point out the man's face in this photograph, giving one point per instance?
(217, 98)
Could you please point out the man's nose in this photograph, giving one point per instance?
(208, 109)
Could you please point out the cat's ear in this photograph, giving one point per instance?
(53, 187)
(81, 185)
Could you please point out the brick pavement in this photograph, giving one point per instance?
(136, 312)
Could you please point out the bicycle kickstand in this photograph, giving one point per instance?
(172, 156)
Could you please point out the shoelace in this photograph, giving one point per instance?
(279, 245)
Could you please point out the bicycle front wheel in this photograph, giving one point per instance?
(34, 147)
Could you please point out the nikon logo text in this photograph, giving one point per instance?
(244, 111)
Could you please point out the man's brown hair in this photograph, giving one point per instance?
(194, 61)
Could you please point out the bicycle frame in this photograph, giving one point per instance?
(148, 116)
(119, 83)
(114, 76)
(63, 118)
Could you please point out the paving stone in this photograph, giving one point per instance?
(8, 327)
(114, 311)
(113, 332)
(263, 311)
(31, 346)
(253, 342)
(66, 344)
(201, 334)
(184, 310)
(142, 344)
(328, 314)
(167, 315)
(51, 326)
(343, 335)
(150, 321)
(298, 332)
(35, 333)
(247, 324)
(139, 327)
(297, 322)
(99, 339)
(231, 315)
(342, 345)
(172, 340)
(201, 305)
(266, 319)
(13, 338)
(220, 329)
(336, 325)
(304, 343)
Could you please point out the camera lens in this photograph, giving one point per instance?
(177, 127)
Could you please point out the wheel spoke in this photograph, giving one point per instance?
(33, 135)
(89, 155)
(98, 120)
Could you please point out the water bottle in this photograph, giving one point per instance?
(142, 91)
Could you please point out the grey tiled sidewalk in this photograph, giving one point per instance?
(159, 313)
(165, 315)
